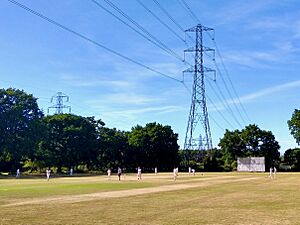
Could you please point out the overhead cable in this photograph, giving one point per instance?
(161, 21)
(91, 41)
(156, 41)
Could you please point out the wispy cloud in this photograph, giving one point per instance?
(239, 10)
(123, 99)
(267, 92)
(253, 59)
(82, 81)
(160, 109)
(288, 24)
(281, 52)
(133, 114)
(220, 106)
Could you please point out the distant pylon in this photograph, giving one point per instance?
(198, 135)
(59, 105)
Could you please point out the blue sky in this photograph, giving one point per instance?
(259, 43)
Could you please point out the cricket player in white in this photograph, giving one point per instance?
(175, 173)
(271, 173)
(48, 173)
(109, 173)
(139, 173)
(18, 173)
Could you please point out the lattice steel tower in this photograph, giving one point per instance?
(59, 106)
(198, 135)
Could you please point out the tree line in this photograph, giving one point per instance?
(32, 141)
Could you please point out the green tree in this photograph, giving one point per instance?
(251, 136)
(19, 126)
(213, 160)
(292, 158)
(71, 140)
(294, 125)
(269, 148)
(113, 149)
(154, 145)
(251, 141)
(232, 147)
(192, 158)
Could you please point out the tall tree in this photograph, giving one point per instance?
(261, 143)
(292, 158)
(71, 140)
(154, 145)
(213, 160)
(294, 125)
(19, 125)
(232, 146)
(251, 141)
(113, 149)
(269, 148)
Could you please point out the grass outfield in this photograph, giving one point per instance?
(215, 198)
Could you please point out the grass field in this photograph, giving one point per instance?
(215, 198)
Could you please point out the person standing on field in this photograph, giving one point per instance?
(193, 171)
(109, 173)
(119, 173)
(18, 173)
(48, 173)
(155, 171)
(175, 173)
(271, 173)
(139, 173)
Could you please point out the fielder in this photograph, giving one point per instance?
(119, 173)
(18, 173)
(271, 173)
(175, 173)
(109, 173)
(48, 173)
(139, 173)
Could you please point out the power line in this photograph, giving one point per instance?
(189, 10)
(193, 15)
(172, 19)
(215, 121)
(216, 108)
(225, 84)
(230, 81)
(168, 15)
(157, 42)
(223, 101)
(228, 91)
(92, 41)
(161, 21)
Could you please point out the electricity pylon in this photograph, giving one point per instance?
(198, 135)
(59, 106)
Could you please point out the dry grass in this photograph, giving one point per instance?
(217, 198)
